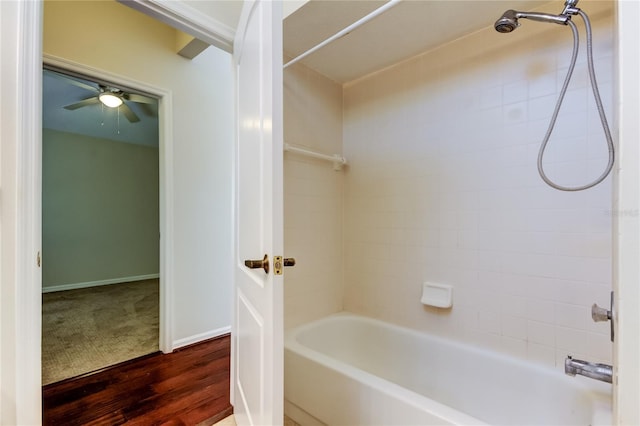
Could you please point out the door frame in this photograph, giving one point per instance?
(626, 217)
(165, 182)
(21, 194)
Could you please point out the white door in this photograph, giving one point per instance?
(257, 342)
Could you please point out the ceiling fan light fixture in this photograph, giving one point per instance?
(110, 100)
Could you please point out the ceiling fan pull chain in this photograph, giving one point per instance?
(118, 120)
(102, 115)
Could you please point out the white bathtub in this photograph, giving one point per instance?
(351, 370)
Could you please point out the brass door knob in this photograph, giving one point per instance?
(256, 264)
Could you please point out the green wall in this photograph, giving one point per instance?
(100, 210)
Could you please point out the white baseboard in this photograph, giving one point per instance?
(50, 289)
(200, 337)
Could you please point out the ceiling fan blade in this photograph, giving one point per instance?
(89, 101)
(149, 110)
(131, 116)
(139, 98)
(75, 82)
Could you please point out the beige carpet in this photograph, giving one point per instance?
(88, 329)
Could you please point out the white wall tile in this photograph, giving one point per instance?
(514, 306)
(541, 354)
(453, 166)
(515, 92)
(541, 108)
(514, 327)
(541, 333)
(540, 310)
(514, 347)
(313, 197)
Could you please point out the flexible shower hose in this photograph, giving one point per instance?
(596, 94)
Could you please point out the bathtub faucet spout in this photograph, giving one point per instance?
(602, 372)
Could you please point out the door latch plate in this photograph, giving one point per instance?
(277, 265)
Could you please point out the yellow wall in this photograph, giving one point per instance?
(112, 37)
(106, 35)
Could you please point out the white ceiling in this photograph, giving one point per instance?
(93, 120)
(408, 29)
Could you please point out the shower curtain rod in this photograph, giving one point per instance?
(337, 160)
(345, 31)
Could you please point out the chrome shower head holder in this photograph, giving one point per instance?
(570, 7)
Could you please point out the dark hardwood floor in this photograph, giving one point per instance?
(187, 387)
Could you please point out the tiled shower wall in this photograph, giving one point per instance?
(443, 187)
(313, 197)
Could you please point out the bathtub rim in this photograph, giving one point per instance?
(600, 396)
(447, 413)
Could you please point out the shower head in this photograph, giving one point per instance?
(509, 19)
(507, 22)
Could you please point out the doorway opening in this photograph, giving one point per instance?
(101, 221)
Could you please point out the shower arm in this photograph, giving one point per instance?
(569, 10)
(544, 17)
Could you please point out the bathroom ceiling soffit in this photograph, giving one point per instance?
(406, 30)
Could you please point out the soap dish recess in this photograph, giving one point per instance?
(438, 295)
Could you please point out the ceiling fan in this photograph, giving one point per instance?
(112, 97)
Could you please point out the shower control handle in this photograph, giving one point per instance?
(600, 314)
(603, 314)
